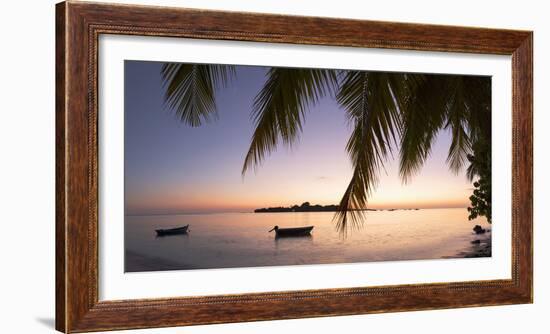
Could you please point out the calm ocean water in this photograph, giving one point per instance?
(241, 239)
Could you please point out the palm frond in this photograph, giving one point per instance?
(457, 122)
(279, 108)
(472, 171)
(423, 117)
(460, 104)
(372, 105)
(477, 91)
(190, 89)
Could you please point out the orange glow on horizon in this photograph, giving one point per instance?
(269, 188)
(221, 203)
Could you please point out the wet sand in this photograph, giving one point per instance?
(481, 246)
(139, 262)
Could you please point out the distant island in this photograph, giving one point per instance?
(307, 207)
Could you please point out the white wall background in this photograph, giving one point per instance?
(27, 164)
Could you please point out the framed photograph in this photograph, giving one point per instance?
(223, 167)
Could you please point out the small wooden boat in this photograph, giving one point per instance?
(292, 232)
(173, 231)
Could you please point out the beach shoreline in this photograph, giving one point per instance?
(137, 262)
(481, 246)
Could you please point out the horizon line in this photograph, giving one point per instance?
(176, 213)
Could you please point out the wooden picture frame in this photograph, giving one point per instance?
(78, 26)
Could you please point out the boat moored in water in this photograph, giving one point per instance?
(292, 231)
(173, 231)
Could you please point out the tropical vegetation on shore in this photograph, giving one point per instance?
(385, 110)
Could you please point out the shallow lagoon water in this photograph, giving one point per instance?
(229, 240)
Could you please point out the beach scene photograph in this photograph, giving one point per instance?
(235, 166)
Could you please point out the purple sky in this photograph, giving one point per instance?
(171, 167)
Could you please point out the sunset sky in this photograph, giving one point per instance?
(173, 168)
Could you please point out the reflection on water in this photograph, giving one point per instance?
(162, 236)
(242, 239)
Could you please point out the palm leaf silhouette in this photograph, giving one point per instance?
(190, 89)
(460, 104)
(373, 109)
(280, 107)
(422, 118)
